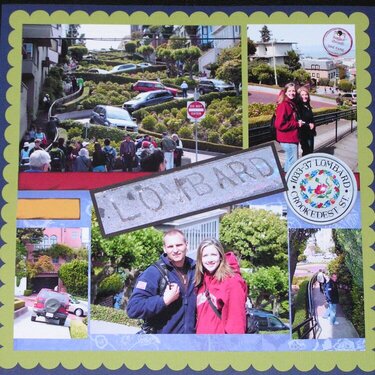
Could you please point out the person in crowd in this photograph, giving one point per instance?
(69, 158)
(152, 160)
(168, 146)
(83, 161)
(57, 158)
(99, 160)
(110, 154)
(178, 152)
(184, 87)
(321, 280)
(307, 131)
(287, 125)
(332, 296)
(32, 131)
(127, 152)
(39, 161)
(46, 101)
(171, 308)
(52, 126)
(25, 154)
(221, 290)
(37, 146)
(41, 135)
(78, 146)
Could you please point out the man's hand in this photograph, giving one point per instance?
(171, 293)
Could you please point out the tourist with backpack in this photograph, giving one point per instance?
(163, 295)
(57, 158)
(221, 291)
(168, 146)
(287, 124)
(110, 155)
(99, 160)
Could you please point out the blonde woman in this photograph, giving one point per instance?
(221, 291)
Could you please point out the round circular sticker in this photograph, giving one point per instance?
(337, 41)
(321, 189)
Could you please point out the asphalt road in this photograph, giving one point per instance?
(24, 328)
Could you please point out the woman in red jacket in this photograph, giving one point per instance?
(221, 291)
(287, 125)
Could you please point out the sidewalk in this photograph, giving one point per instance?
(99, 327)
(344, 329)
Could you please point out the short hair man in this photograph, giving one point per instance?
(171, 310)
(39, 161)
(152, 160)
(332, 296)
(168, 146)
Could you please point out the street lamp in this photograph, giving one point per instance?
(274, 61)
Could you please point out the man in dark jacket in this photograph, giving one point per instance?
(171, 310)
(332, 296)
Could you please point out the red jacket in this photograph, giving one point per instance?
(229, 296)
(286, 123)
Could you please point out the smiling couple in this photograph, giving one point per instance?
(205, 297)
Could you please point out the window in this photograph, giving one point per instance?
(312, 74)
(27, 51)
(317, 75)
(44, 244)
(53, 240)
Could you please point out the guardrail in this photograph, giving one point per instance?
(310, 326)
(262, 134)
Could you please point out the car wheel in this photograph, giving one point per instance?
(92, 121)
(62, 322)
(201, 91)
(33, 318)
(52, 305)
(78, 312)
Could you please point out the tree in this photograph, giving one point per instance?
(297, 244)
(30, 235)
(21, 254)
(229, 54)
(43, 264)
(58, 250)
(261, 73)
(175, 42)
(133, 251)
(231, 71)
(265, 34)
(251, 47)
(166, 54)
(292, 60)
(74, 275)
(192, 32)
(77, 51)
(189, 56)
(130, 47)
(268, 285)
(301, 76)
(72, 34)
(259, 237)
(284, 75)
(146, 51)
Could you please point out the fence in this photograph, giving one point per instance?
(261, 134)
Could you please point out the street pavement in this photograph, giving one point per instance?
(99, 327)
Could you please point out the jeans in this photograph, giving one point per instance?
(331, 312)
(307, 145)
(291, 154)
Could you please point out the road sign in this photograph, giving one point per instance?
(196, 110)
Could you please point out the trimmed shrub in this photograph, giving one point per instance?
(27, 292)
(109, 314)
(233, 137)
(300, 312)
(74, 275)
(185, 132)
(78, 330)
(213, 136)
(111, 285)
(209, 122)
(160, 128)
(75, 132)
(149, 122)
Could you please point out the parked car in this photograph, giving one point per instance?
(144, 65)
(77, 307)
(209, 85)
(113, 116)
(267, 321)
(351, 96)
(52, 305)
(145, 86)
(123, 68)
(98, 71)
(146, 99)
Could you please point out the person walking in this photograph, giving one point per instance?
(287, 125)
(307, 131)
(221, 290)
(332, 297)
(321, 280)
(178, 152)
(184, 87)
(168, 146)
(167, 308)
(127, 152)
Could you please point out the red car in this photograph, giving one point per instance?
(51, 305)
(144, 86)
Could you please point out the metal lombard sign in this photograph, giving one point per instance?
(192, 189)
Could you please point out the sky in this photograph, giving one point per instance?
(104, 31)
(308, 37)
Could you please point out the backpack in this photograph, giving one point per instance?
(168, 144)
(56, 160)
(146, 328)
(109, 157)
(272, 127)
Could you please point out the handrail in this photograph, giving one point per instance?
(261, 134)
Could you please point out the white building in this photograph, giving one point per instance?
(320, 68)
(223, 37)
(274, 49)
(41, 49)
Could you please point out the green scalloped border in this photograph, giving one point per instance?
(282, 361)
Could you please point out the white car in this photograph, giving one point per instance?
(77, 307)
(98, 71)
(144, 65)
(123, 68)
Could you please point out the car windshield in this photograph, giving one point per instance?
(118, 113)
(73, 300)
(141, 96)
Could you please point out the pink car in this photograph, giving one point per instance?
(144, 86)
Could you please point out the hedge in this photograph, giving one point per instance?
(95, 77)
(78, 330)
(18, 304)
(207, 98)
(300, 314)
(109, 314)
(27, 292)
(72, 105)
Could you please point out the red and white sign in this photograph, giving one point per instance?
(196, 110)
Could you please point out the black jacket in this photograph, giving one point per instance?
(331, 292)
(305, 114)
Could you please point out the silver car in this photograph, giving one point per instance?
(77, 307)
